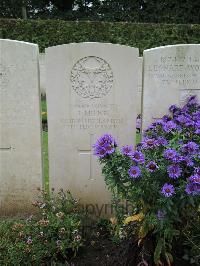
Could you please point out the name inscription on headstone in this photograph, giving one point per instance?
(182, 71)
(93, 116)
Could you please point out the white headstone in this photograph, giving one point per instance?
(91, 90)
(42, 73)
(171, 75)
(20, 135)
(139, 94)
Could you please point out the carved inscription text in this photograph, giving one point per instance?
(183, 71)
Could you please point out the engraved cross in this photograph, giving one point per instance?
(88, 152)
(6, 148)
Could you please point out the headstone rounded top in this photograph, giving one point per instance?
(187, 45)
(18, 42)
(93, 45)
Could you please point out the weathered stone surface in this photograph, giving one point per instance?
(91, 89)
(42, 74)
(20, 135)
(139, 100)
(171, 74)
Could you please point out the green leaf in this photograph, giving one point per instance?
(158, 250)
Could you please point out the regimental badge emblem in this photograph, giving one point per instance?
(92, 77)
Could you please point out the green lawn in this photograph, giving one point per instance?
(138, 138)
(43, 105)
(45, 158)
(45, 144)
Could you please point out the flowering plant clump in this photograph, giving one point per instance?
(160, 177)
(53, 235)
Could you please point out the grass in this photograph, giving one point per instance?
(138, 138)
(44, 110)
(43, 105)
(45, 160)
(45, 144)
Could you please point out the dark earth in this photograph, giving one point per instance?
(99, 249)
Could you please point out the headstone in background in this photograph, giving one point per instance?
(171, 75)
(42, 74)
(139, 101)
(20, 127)
(91, 89)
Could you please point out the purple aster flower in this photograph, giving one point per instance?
(190, 123)
(104, 145)
(188, 160)
(196, 188)
(173, 108)
(185, 109)
(178, 159)
(192, 189)
(139, 146)
(197, 171)
(158, 122)
(192, 100)
(100, 152)
(169, 126)
(179, 128)
(174, 171)
(183, 118)
(189, 188)
(170, 154)
(197, 124)
(127, 150)
(196, 115)
(197, 127)
(149, 143)
(160, 214)
(166, 118)
(168, 190)
(162, 141)
(138, 157)
(109, 149)
(134, 172)
(195, 179)
(106, 139)
(152, 166)
(197, 131)
(190, 148)
(149, 128)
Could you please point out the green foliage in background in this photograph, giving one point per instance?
(55, 32)
(156, 11)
